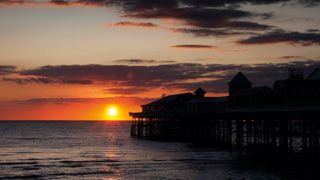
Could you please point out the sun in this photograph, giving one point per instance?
(112, 111)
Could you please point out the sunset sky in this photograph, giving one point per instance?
(75, 59)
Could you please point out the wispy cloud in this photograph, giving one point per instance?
(292, 57)
(4, 70)
(42, 80)
(205, 32)
(65, 101)
(134, 24)
(143, 61)
(280, 36)
(194, 46)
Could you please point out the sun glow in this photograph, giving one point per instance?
(112, 111)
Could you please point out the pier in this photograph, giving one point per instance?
(279, 130)
(282, 120)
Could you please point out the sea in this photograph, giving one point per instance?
(105, 150)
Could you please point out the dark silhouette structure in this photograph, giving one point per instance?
(239, 83)
(284, 119)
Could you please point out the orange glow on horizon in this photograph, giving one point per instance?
(95, 109)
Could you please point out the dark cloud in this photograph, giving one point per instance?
(135, 5)
(199, 17)
(120, 73)
(11, 1)
(42, 80)
(313, 30)
(194, 46)
(160, 4)
(202, 17)
(134, 24)
(259, 74)
(186, 76)
(203, 32)
(198, 14)
(309, 3)
(131, 5)
(26, 2)
(246, 25)
(4, 70)
(221, 3)
(224, 3)
(29, 80)
(143, 61)
(292, 57)
(142, 5)
(128, 76)
(74, 81)
(60, 2)
(80, 2)
(266, 73)
(280, 36)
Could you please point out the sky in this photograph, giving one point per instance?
(73, 60)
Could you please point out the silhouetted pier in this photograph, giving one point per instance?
(263, 120)
(278, 130)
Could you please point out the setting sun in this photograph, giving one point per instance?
(112, 111)
(115, 112)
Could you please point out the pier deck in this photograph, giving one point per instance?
(278, 129)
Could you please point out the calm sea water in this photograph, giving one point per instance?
(105, 150)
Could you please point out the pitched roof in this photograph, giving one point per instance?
(240, 79)
(172, 99)
(200, 91)
(254, 91)
(315, 74)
